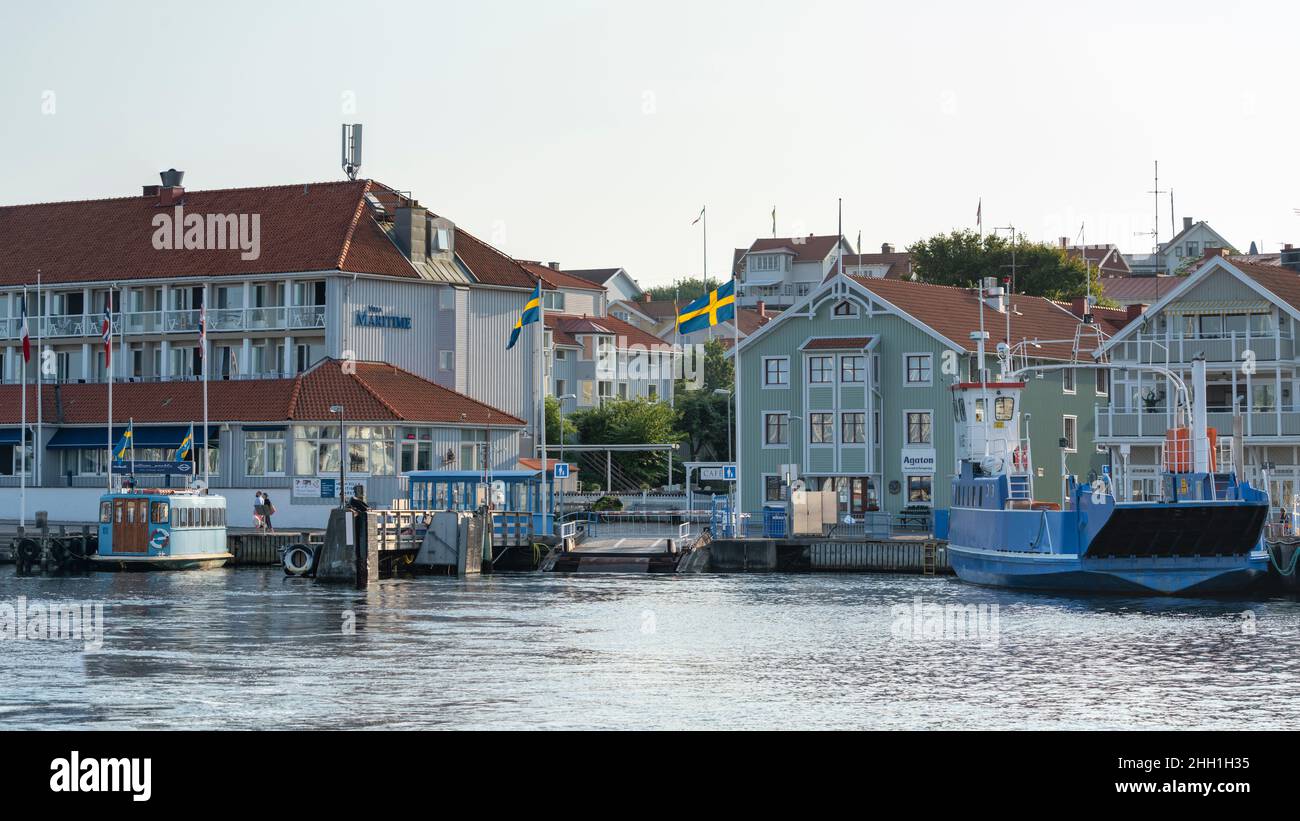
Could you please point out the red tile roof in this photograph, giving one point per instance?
(899, 262)
(804, 249)
(374, 392)
(1138, 289)
(313, 227)
(955, 314)
(490, 266)
(553, 279)
(565, 329)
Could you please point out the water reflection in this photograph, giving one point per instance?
(251, 649)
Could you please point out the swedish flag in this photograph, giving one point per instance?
(718, 305)
(532, 310)
(124, 444)
(186, 446)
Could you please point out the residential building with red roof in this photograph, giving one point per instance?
(781, 271)
(852, 386)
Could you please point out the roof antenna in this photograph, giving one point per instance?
(351, 149)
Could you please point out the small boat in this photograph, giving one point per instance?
(161, 529)
(1206, 536)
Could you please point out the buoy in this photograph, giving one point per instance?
(297, 560)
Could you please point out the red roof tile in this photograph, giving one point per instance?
(553, 279)
(837, 343)
(313, 227)
(374, 392)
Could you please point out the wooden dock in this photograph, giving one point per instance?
(926, 557)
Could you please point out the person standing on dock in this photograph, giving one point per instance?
(259, 508)
(268, 510)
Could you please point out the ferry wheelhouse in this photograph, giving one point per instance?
(1205, 536)
(160, 529)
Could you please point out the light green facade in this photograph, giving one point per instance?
(886, 397)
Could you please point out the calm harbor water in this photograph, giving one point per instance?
(248, 648)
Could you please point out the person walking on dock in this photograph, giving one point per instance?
(259, 511)
(268, 510)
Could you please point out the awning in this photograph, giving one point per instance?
(1215, 307)
(10, 436)
(156, 436)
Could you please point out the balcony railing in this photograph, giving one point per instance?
(1114, 424)
(280, 318)
(1160, 349)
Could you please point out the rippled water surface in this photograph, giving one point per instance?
(248, 648)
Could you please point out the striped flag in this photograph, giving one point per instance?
(25, 333)
(186, 446)
(106, 333)
(532, 309)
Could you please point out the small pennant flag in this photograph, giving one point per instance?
(106, 333)
(700, 217)
(25, 333)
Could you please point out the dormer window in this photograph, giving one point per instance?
(553, 300)
(845, 309)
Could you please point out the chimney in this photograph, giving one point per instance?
(1214, 251)
(1065, 243)
(995, 296)
(1290, 257)
(1079, 306)
(554, 266)
(887, 248)
(1187, 223)
(761, 307)
(1132, 312)
(412, 228)
(170, 192)
(647, 297)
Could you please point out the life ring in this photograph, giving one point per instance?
(298, 560)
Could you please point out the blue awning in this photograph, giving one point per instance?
(156, 436)
(10, 436)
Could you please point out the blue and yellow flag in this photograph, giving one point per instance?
(186, 446)
(124, 444)
(718, 305)
(532, 310)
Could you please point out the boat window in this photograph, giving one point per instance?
(959, 408)
(117, 512)
(105, 512)
(130, 514)
(1003, 408)
(979, 410)
(205, 517)
(161, 514)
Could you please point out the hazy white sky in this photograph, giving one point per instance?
(591, 133)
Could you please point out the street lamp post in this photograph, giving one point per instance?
(559, 487)
(343, 452)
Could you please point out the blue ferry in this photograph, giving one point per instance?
(1205, 536)
(161, 529)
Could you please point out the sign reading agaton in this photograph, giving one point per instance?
(918, 460)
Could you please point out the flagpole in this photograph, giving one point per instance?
(130, 425)
(40, 383)
(540, 418)
(22, 438)
(108, 367)
(203, 352)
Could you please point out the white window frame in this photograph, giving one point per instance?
(830, 369)
(1068, 373)
(862, 370)
(776, 386)
(834, 420)
(776, 445)
(907, 430)
(855, 310)
(907, 383)
(907, 479)
(1066, 419)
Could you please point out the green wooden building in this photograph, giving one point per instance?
(853, 386)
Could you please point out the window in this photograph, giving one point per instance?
(776, 372)
(775, 428)
(773, 489)
(264, 453)
(1070, 431)
(918, 427)
(1193, 249)
(853, 368)
(919, 369)
(1103, 382)
(472, 445)
(821, 370)
(844, 309)
(553, 300)
(446, 360)
(417, 450)
(586, 392)
(919, 490)
(821, 428)
(605, 390)
(561, 387)
(1067, 380)
(316, 449)
(853, 428)
(1211, 325)
(1004, 407)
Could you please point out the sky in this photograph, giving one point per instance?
(592, 134)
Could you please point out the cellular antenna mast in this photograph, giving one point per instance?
(351, 149)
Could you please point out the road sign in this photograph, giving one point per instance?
(561, 470)
(729, 473)
(720, 473)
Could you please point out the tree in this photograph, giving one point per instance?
(719, 370)
(684, 290)
(962, 258)
(553, 417)
(627, 422)
(702, 422)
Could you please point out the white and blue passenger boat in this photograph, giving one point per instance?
(161, 529)
(1205, 536)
